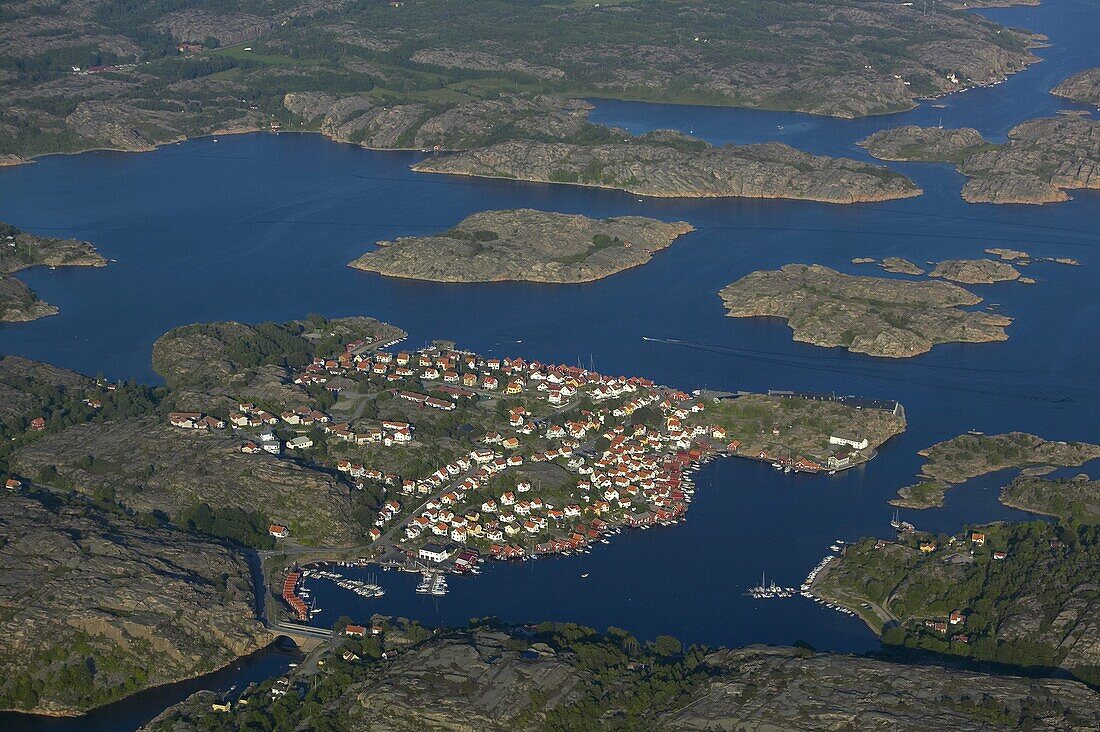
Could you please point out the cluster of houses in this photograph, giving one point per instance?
(636, 479)
(195, 421)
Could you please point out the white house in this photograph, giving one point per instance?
(858, 443)
(434, 553)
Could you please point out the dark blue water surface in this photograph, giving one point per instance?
(261, 227)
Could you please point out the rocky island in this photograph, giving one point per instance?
(672, 165)
(20, 250)
(967, 456)
(1083, 87)
(504, 679)
(911, 143)
(1042, 159)
(524, 245)
(975, 271)
(874, 315)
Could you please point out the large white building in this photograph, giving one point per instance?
(858, 443)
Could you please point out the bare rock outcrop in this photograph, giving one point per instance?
(93, 607)
(878, 316)
(975, 271)
(525, 245)
(1083, 87)
(671, 165)
(926, 144)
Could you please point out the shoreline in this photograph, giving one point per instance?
(76, 714)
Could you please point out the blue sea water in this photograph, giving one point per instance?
(261, 227)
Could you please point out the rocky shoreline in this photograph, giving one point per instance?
(1083, 87)
(672, 165)
(1042, 159)
(20, 250)
(525, 245)
(877, 316)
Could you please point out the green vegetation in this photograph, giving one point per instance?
(968, 456)
(1027, 608)
(243, 527)
(442, 53)
(1073, 499)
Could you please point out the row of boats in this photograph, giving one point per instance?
(804, 589)
(359, 587)
(432, 583)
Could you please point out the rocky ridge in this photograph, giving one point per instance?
(95, 607)
(877, 316)
(524, 245)
(499, 681)
(414, 125)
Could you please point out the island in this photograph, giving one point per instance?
(322, 439)
(968, 456)
(893, 265)
(1022, 595)
(975, 271)
(1042, 159)
(20, 250)
(911, 143)
(524, 245)
(557, 676)
(877, 316)
(1083, 87)
(672, 165)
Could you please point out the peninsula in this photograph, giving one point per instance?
(562, 676)
(1018, 594)
(1042, 159)
(877, 316)
(671, 165)
(98, 606)
(20, 250)
(1072, 499)
(317, 437)
(968, 456)
(1083, 87)
(524, 245)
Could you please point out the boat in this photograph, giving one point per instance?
(584, 576)
(895, 522)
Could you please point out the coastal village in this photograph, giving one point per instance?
(532, 458)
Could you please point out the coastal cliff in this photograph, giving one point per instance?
(877, 316)
(525, 245)
(671, 165)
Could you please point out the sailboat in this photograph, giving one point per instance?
(895, 522)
